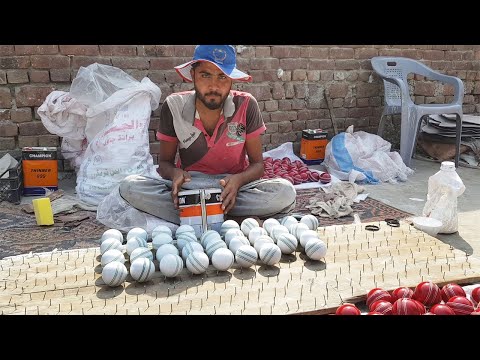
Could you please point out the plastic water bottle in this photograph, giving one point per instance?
(444, 188)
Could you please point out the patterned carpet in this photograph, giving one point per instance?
(19, 233)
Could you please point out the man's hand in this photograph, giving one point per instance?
(230, 184)
(179, 177)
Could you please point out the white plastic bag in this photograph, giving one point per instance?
(365, 157)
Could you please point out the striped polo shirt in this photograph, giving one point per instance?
(222, 153)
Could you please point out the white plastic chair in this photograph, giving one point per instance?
(394, 72)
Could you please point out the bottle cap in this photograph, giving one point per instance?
(447, 165)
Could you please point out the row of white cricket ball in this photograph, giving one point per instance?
(247, 241)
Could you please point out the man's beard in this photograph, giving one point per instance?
(211, 104)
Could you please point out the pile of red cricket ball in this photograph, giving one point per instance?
(426, 299)
(294, 171)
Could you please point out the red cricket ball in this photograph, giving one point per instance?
(475, 296)
(381, 306)
(451, 290)
(347, 309)
(460, 305)
(376, 313)
(405, 306)
(402, 292)
(441, 309)
(377, 294)
(427, 293)
(325, 178)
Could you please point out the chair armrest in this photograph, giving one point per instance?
(447, 79)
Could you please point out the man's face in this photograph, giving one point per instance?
(212, 86)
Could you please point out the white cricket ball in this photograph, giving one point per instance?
(227, 225)
(171, 265)
(112, 255)
(306, 236)
(316, 249)
(246, 256)
(214, 245)
(270, 254)
(222, 259)
(287, 243)
(255, 233)
(230, 234)
(191, 247)
(236, 242)
(184, 228)
(135, 242)
(137, 232)
(262, 240)
(288, 220)
(297, 229)
(114, 273)
(141, 252)
(162, 229)
(269, 223)
(277, 230)
(112, 233)
(109, 244)
(165, 250)
(185, 237)
(142, 269)
(247, 225)
(311, 221)
(197, 262)
(208, 235)
(161, 239)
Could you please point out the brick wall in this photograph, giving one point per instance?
(288, 82)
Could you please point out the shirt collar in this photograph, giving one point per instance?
(189, 111)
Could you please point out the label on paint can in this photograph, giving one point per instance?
(201, 209)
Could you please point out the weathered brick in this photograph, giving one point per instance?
(365, 53)
(5, 98)
(284, 127)
(39, 76)
(314, 52)
(48, 140)
(363, 102)
(3, 77)
(118, 50)
(350, 102)
(130, 63)
(312, 124)
(375, 101)
(471, 75)
(78, 61)
(341, 53)
(462, 65)
(60, 75)
(7, 128)
(260, 92)
(263, 75)
(136, 73)
(323, 64)
(14, 62)
(6, 50)
(154, 123)
(285, 52)
(166, 63)
(262, 51)
(278, 138)
(244, 51)
(338, 90)
(5, 114)
(84, 50)
(293, 64)
(453, 55)
(300, 90)
(367, 90)
(336, 103)
(326, 75)
(312, 114)
(298, 104)
(151, 136)
(424, 88)
(285, 105)
(29, 95)
(340, 112)
(165, 50)
(283, 116)
(264, 64)
(50, 61)
(271, 105)
(266, 140)
(433, 55)
(299, 75)
(155, 147)
(36, 49)
(346, 64)
(32, 128)
(298, 125)
(21, 115)
(27, 141)
(17, 76)
(313, 75)
(359, 112)
(476, 89)
(184, 50)
(7, 143)
(271, 128)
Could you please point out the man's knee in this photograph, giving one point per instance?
(125, 187)
(286, 192)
